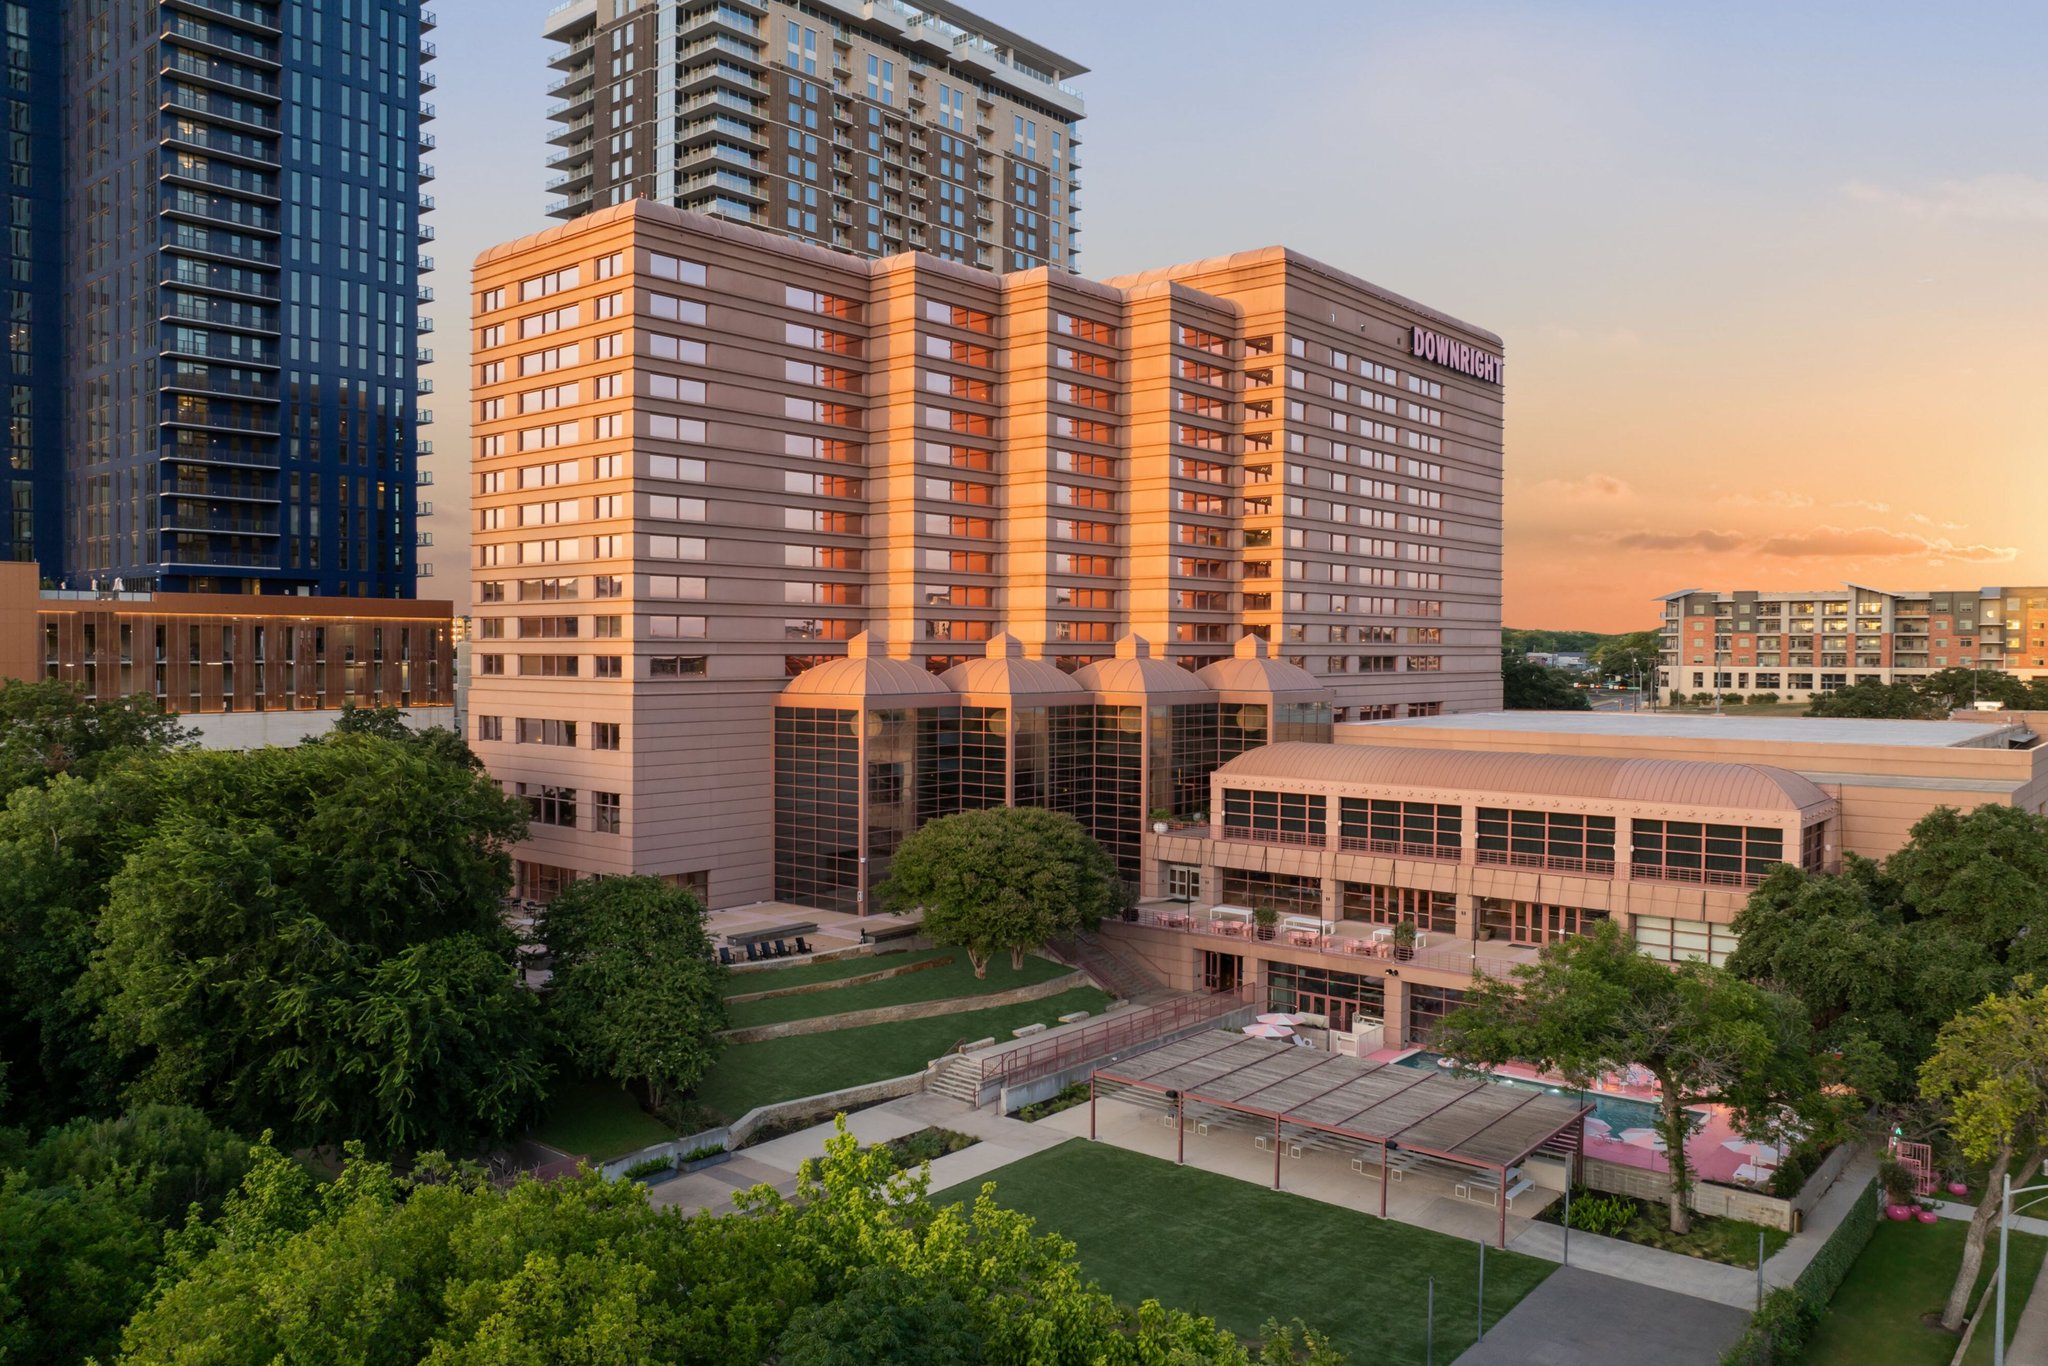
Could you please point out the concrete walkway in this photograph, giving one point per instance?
(776, 1163)
(2029, 1346)
(1646, 1266)
(1785, 1265)
(1577, 1318)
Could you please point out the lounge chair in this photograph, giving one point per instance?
(753, 952)
(801, 946)
(781, 949)
(725, 955)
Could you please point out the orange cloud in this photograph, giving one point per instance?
(1593, 488)
(1704, 539)
(1872, 542)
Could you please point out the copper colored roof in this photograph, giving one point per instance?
(1253, 675)
(1005, 675)
(1135, 676)
(865, 678)
(1677, 782)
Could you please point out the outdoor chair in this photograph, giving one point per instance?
(725, 955)
(781, 949)
(801, 946)
(753, 952)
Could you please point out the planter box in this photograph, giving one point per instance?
(656, 1178)
(701, 1163)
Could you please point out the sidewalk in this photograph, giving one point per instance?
(1650, 1266)
(2029, 1345)
(1793, 1258)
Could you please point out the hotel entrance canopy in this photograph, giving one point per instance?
(1399, 1111)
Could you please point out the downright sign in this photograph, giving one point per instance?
(1455, 355)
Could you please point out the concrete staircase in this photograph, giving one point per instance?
(1113, 971)
(955, 1076)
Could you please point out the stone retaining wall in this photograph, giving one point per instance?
(914, 1010)
(807, 988)
(821, 1106)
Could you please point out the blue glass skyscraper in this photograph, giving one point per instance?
(216, 243)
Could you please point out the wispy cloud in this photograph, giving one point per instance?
(1592, 488)
(1821, 542)
(1864, 505)
(1775, 498)
(2004, 197)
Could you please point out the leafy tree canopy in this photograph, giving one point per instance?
(1626, 658)
(1004, 878)
(1989, 1071)
(1877, 701)
(48, 727)
(857, 1266)
(1592, 1003)
(636, 993)
(309, 939)
(1537, 687)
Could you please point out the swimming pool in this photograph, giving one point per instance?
(1616, 1112)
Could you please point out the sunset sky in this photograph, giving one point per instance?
(1773, 278)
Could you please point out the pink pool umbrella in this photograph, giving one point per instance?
(1279, 1017)
(1268, 1031)
(1644, 1138)
(1760, 1153)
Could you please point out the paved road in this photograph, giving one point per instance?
(1578, 1318)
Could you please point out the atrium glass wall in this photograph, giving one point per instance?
(817, 807)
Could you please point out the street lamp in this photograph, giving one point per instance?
(2004, 1221)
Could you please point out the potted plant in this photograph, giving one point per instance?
(1404, 939)
(1956, 1184)
(1265, 917)
(1925, 1212)
(1161, 818)
(1483, 933)
(1898, 1190)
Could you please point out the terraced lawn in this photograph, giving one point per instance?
(1242, 1253)
(944, 982)
(751, 1074)
(803, 974)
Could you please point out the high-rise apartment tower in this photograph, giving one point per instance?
(706, 458)
(214, 261)
(870, 127)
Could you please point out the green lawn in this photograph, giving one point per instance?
(932, 984)
(1904, 1273)
(803, 974)
(1242, 1253)
(598, 1120)
(751, 1074)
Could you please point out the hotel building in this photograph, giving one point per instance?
(214, 257)
(707, 458)
(241, 670)
(1492, 834)
(868, 126)
(1800, 644)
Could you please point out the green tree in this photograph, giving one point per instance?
(1628, 658)
(1990, 1071)
(637, 994)
(1959, 689)
(75, 1262)
(1984, 876)
(309, 939)
(1592, 1003)
(1527, 686)
(167, 1159)
(48, 727)
(1878, 701)
(1003, 878)
(1876, 986)
(440, 1267)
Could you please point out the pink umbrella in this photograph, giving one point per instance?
(1268, 1031)
(1644, 1138)
(1279, 1017)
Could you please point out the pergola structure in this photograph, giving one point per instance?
(1394, 1110)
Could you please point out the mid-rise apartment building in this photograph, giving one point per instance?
(1797, 644)
(706, 458)
(875, 128)
(214, 255)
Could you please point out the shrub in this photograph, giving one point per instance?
(1763, 699)
(1823, 1275)
(927, 1145)
(647, 1166)
(699, 1154)
(1799, 1164)
(1067, 1099)
(1608, 1215)
(1777, 1332)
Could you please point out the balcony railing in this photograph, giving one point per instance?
(1442, 853)
(1709, 877)
(1442, 954)
(1295, 837)
(1554, 863)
